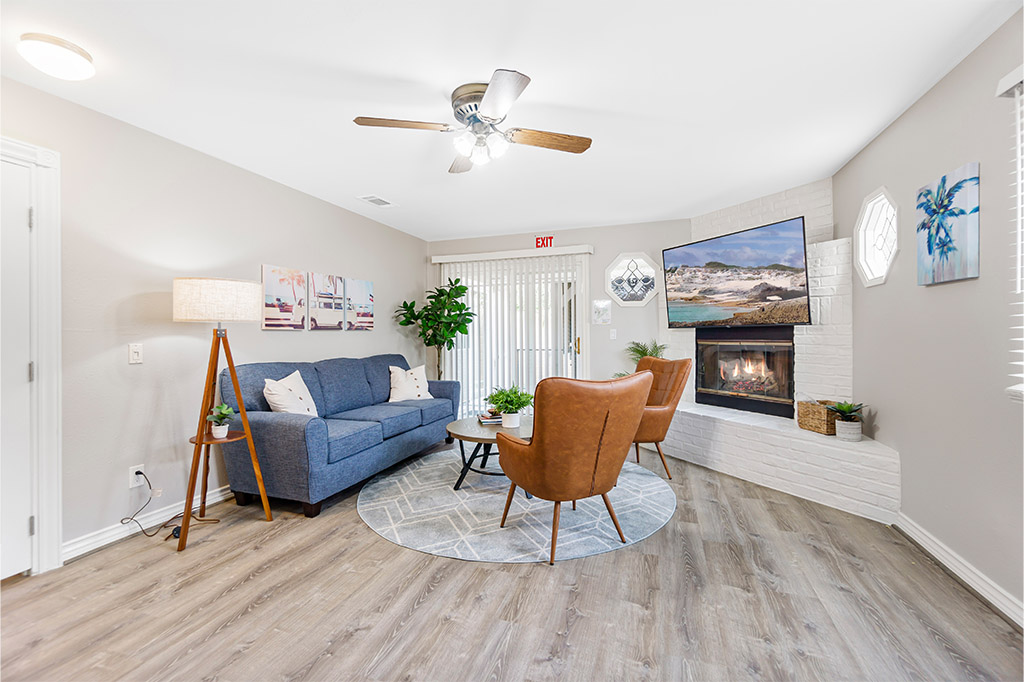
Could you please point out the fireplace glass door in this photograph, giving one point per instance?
(759, 371)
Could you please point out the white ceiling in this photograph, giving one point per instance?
(692, 105)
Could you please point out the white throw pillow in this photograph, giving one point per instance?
(408, 384)
(289, 395)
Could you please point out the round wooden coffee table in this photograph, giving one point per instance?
(484, 435)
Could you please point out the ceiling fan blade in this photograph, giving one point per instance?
(398, 123)
(461, 164)
(502, 92)
(559, 141)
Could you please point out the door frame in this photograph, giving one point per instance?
(45, 331)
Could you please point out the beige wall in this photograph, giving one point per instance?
(139, 210)
(932, 361)
(631, 323)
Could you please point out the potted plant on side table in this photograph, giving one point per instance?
(848, 421)
(509, 401)
(220, 418)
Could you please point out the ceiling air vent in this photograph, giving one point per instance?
(376, 200)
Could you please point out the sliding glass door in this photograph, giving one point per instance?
(529, 324)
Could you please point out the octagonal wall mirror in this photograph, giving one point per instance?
(632, 279)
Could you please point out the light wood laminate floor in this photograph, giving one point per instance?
(743, 583)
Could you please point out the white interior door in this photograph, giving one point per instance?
(16, 397)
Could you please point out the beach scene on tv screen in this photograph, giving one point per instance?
(755, 277)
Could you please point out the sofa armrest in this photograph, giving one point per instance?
(288, 447)
(447, 389)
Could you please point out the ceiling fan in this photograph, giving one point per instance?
(480, 107)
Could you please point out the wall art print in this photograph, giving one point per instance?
(359, 311)
(284, 298)
(326, 301)
(947, 227)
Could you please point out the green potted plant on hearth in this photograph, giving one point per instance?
(509, 401)
(849, 426)
(441, 319)
(220, 418)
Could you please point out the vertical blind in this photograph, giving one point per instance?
(1017, 254)
(527, 324)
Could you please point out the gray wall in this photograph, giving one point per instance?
(139, 210)
(932, 362)
(630, 323)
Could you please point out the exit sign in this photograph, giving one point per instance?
(545, 242)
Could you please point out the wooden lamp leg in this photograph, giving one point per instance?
(211, 378)
(206, 480)
(245, 425)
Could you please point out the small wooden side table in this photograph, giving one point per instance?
(209, 440)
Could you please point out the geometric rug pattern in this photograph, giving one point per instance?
(414, 505)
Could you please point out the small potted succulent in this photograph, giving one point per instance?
(220, 418)
(509, 401)
(848, 421)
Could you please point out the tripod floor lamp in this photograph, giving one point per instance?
(198, 299)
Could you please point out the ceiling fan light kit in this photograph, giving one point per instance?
(480, 107)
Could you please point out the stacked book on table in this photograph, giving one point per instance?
(488, 418)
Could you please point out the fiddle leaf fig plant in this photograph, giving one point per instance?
(441, 318)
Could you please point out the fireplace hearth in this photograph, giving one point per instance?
(746, 368)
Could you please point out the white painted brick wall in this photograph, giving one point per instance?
(813, 202)
(823, 351)
(861, 478)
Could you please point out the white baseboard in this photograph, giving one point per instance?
(997, 597)
(104, 536)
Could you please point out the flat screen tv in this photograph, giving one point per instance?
(753, 278)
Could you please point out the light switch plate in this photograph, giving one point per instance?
(134, 353)
(612, 334)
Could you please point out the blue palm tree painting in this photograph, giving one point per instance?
(947, 227)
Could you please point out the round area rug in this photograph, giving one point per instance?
(414, 505)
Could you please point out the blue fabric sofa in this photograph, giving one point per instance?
(358, 434)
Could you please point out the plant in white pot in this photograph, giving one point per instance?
(509, 401)
(220, 418)
(848, 421)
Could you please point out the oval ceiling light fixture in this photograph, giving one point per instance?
(56, 57)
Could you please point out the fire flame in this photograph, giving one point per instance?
(748, 367)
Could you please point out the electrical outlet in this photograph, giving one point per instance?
(612, 334)
(133, 480)
(134, 353)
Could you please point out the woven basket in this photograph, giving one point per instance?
(815, 417)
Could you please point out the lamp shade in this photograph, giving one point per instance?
(207, 299)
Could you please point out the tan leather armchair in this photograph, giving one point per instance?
(581, 436)
(669, 381)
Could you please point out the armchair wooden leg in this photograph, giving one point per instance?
(574, 505)
(554, 532)
(663, 462)
(611, 513)
(508, 503)
(637, 446)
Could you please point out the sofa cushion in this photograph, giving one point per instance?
(393, 419)
(251, 382)
(346, 437)
(344, 384)
(432, 409)
(378, 373)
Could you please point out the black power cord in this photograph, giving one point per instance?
(177, 529)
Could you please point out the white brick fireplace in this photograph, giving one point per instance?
(862, 478)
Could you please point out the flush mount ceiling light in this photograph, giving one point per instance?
(56, 57)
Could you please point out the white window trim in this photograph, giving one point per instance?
(866, 278)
